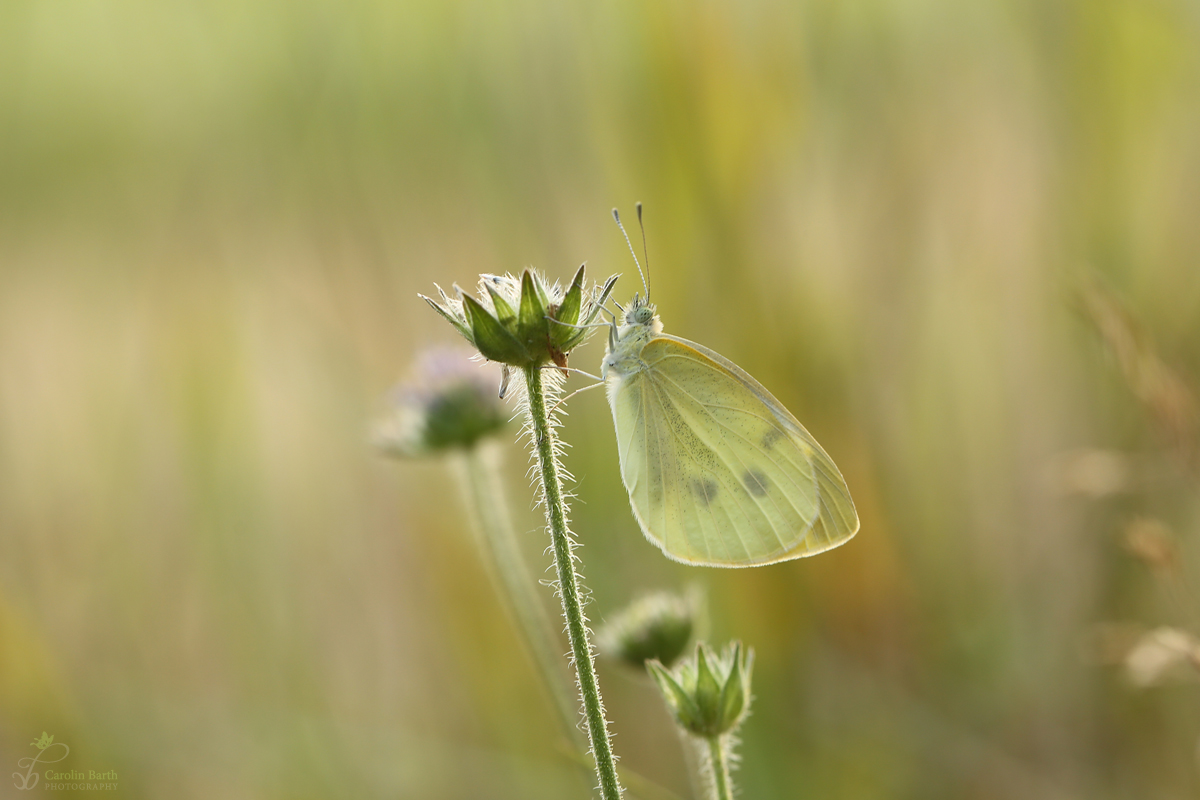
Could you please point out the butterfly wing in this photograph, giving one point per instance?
(719, 473)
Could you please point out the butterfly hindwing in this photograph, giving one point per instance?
(718, 472)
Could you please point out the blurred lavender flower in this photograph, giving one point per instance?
(450, 402)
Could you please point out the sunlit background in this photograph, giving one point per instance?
(961, 241)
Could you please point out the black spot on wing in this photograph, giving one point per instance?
(704, 489)
(756, 482)
(772, 436)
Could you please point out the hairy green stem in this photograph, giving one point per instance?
(568, 585)
(503, 555)
(718, 762)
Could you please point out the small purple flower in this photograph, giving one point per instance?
(450, 402)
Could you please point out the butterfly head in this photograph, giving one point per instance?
(639, 324)
(625, 342)
(641, 312)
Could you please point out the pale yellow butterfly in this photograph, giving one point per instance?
(719, 473)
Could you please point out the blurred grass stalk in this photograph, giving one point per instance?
(478, 471)
(451, 407)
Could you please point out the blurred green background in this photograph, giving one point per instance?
(959, 240)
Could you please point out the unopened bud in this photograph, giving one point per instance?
(523, 322)
(657, 626)
(707, 694)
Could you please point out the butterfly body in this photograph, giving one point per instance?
(718, 472)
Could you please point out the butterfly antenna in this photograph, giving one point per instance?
(632, 252)
(645, 251)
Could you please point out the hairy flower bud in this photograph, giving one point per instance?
(522, 322)
(707, 694)
(656, 626)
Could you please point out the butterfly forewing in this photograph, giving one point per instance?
(718, 472)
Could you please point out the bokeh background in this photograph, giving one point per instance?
(959, 240)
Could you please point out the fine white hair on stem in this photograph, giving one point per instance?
(543, 389)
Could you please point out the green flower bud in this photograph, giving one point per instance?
(522, 322)
(451, 402)
(657, 626)
(707, 694)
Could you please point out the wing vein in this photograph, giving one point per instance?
(771, 521)
(750, 443)
(661, 393)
